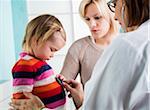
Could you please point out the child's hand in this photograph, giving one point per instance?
(61, 77)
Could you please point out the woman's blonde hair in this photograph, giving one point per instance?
(41, 28)
(103, 9)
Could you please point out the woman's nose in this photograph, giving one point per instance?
(92, 23)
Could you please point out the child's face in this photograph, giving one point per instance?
(46, 50)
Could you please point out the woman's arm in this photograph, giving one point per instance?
(71, 66)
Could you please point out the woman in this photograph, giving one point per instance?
(84, 53)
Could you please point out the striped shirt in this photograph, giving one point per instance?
(36, 76)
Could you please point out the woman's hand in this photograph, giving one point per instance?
(33, 103)
(76, 90)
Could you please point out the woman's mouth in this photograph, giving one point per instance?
(94, 31)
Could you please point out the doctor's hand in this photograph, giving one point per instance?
(33, 103)
(76, 90)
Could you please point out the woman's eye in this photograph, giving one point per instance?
(87, 19)
(97, 17)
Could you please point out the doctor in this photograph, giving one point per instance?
(120, 78)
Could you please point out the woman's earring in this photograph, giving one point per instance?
(123, 17)
(122, 12)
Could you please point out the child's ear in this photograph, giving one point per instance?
(34, 40)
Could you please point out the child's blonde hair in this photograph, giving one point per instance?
(41, 28)
(103, 9)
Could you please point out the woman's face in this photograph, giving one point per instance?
(120, 13)
(98, 24)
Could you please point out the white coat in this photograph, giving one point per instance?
(120, 79)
